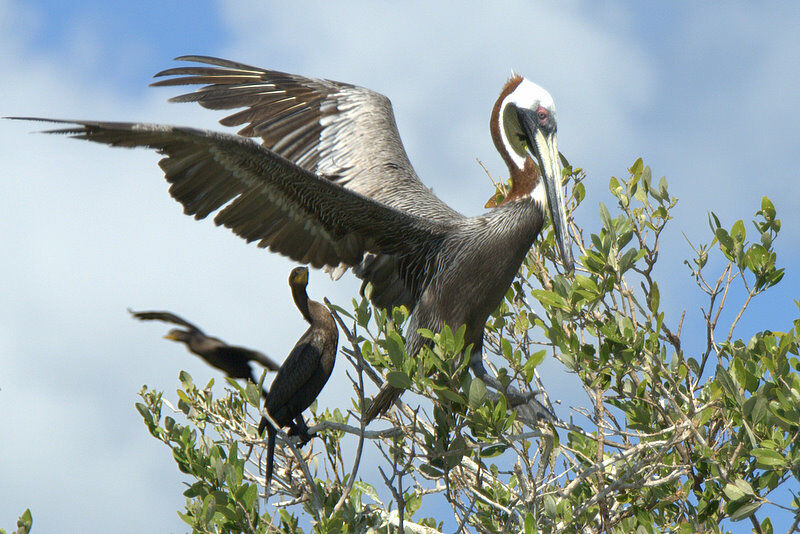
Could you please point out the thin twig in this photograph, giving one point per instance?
(363, 423)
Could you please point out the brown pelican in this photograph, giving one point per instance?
(331, 185)
(304, 372)
(232, 360)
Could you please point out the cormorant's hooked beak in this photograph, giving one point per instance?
(543, 146)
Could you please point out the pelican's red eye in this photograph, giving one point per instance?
(541, 114)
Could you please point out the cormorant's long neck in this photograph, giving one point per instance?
(301, 301)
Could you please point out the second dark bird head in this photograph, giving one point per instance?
(177, 335)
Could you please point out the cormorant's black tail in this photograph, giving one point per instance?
(271, 434)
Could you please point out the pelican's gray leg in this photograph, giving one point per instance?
(532, 407)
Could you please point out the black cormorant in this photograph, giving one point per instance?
(304, 372)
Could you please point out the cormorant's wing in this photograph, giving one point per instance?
(167, 317)
(264, 197)
(336, 130)
(298, 382)
(251, 355)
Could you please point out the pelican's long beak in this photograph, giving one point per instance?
(544, 148)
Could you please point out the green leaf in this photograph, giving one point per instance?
(713, 221)
(477, 393)
(550, 505)
(738, 232)
(529, 523)
(413, 502)
(548, 298)
(456, 450)
(341, 311)
(605, 217)
(637, 167)
(755, 408)
(641, 192)
(768, 458)
(579, 192)
(627, 260)
(506, 348)
(394, 346)
(363, 310)
(586, 283)
(209, 507)
(745, 486)
(767, 208)
(452, 396)
(425, 333)
(188, 519)
(744, 510)
(724, 378)
(775, 277)
(186, 380)
(725, 242)
(431, 471)
(194, 490)
(399, 315)
(252, 394)
(367, 490)
(458, 338)
(144, 411)
(654, 298)
(493, 450)
(738, 490)
(537, 357)
(398, 379)
(662, 188)
(614, 187)
(250, 496)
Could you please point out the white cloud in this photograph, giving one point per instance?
(443, 65)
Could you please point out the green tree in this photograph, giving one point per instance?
(677, 435)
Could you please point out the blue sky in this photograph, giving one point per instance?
(706, 93)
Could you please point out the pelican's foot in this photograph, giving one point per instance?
(526, 403)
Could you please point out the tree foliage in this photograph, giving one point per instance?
(24, 523)
(676, 434)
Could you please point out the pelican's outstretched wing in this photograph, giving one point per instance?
(335, 130)
(263, 197)
(167, 317)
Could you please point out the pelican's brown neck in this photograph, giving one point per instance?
(524, 179)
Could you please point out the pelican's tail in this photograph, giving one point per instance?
(382, 401)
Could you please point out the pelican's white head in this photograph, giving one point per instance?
(521, 94)
(523, 125)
